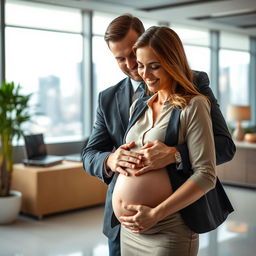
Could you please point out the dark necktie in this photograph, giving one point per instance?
(143, 90)
(140, 92)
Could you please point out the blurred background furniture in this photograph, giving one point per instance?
(238, 113)
(241, 170)
(47, 190)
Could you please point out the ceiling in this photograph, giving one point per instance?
(229, 15)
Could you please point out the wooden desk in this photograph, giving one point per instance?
(62, 187)
(241, 170)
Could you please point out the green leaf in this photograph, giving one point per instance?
(14, 111)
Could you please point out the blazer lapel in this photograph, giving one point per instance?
(172, 131)
(123, 102)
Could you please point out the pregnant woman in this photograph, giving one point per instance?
(146, 205)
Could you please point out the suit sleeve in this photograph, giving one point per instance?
(224, 145)
(99, 146)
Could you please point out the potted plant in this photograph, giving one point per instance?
(14, 111)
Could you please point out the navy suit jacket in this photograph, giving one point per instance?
(112, 119)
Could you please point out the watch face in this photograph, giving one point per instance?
(177, 157)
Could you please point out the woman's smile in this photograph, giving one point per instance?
(151, 82)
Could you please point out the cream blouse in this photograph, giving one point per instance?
(195, 130)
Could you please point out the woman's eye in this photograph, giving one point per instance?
(139, 66)
(155, 67)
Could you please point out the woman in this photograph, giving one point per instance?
(156, 227)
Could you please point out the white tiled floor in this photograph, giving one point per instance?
(78, 233)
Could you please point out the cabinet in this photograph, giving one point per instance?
(241, 170)
(47, 190)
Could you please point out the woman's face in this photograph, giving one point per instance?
(150, 69)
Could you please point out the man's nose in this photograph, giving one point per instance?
(131, 63)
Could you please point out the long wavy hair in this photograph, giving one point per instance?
(168, 48)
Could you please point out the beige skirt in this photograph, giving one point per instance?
(171, 236)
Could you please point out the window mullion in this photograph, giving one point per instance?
(87, 77)
(215, 63)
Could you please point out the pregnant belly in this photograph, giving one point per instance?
(149, 189)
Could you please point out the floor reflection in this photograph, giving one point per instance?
(237, 236)
(79, 233)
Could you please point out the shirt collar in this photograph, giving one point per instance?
(152, 99)
(135, 84)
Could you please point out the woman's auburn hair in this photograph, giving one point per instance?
(168, 48)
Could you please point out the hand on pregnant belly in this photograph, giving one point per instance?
(145, 192)
(143, 219)
(156, 155)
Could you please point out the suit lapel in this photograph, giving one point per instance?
(123, 102)
(172, 131)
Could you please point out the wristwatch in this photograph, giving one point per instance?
(177, 157)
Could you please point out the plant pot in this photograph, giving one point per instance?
(10, 207)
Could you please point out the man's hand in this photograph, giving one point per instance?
(123, 158)
(156, 155)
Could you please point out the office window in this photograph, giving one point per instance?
(105, 68)
(196, 43)
(198, 58)
(234, 41)
(234, 59)
(47, 63)
(192, 35)
(29, 14)
(233, 78)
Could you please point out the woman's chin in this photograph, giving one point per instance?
(152, 89)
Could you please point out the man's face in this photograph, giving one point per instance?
(126, 59)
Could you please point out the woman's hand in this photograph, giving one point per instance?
(156, 155)
(144, 218)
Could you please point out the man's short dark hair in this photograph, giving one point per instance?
(120, 26)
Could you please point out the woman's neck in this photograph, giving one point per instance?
(163, 97)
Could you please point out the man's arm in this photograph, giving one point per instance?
(224, 145)
(98, 148)
(98, 156)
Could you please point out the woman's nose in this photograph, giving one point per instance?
(145, 73)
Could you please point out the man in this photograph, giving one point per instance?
(105, 153)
